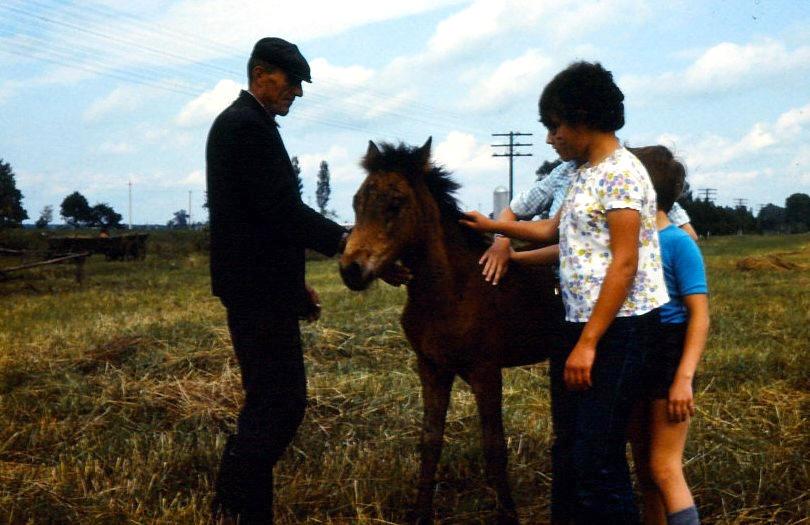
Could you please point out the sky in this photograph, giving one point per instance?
(98, 94)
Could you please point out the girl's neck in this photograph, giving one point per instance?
(602, 146)
(661, 219)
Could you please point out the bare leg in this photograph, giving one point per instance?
(486, 385)
(640, 441)
(436, 386)
(666, 458)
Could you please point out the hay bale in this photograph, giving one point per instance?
(766, 262)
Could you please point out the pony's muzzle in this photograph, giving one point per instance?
(356, 276)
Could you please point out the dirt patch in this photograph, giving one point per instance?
(766, 262)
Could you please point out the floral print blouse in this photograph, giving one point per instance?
(619, 181)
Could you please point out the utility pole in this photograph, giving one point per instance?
(741, 203)
(189, 208)
(130, 205)
(512, 154)
(709, 194)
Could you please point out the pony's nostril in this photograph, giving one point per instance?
(352, 275)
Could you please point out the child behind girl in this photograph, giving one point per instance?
(659, 432)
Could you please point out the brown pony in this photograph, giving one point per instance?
(457, 323)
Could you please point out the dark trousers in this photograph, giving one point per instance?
(591, 480)
(268, 348)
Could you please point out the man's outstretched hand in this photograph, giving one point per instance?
(314, 310)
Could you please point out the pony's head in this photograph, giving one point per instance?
(393, 210)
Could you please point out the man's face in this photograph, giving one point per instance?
(276, 90)
(570, 142)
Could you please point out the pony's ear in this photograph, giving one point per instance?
(373, 151)
(424, 152)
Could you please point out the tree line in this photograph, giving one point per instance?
(707, 217)
(78, 213)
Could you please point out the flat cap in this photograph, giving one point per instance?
(283, 54)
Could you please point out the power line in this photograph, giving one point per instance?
(511, 153)
(449, 120)
(709, 194)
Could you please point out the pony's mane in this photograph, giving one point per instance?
(410, 162)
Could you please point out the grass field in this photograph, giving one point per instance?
(116, 397)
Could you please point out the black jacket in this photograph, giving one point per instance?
(259, 225)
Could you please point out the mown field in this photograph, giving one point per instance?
(116, 397)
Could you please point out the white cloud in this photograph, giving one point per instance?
(331, 75)
(510, 78)
(712, 151)
(170, 36)
(116, 148)
(195, 178)
(723, 67)
(205, 107)
(122, 99)
(484, 20)
(790, 123)
(479, 21)
(463, 153)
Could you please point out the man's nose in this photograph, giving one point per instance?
(298, 90)
(549, 138)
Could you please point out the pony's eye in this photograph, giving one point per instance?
(395, 205)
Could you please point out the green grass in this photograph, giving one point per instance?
(116, 397)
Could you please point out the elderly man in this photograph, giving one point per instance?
(259, 230)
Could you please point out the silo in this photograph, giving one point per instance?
(500, 200)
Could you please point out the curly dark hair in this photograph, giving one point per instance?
(668, 175)
(583, 93)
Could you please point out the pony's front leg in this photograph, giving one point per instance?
(436, 386)
(486, 384)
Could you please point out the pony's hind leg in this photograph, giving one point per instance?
(486, 384)
(436, 386)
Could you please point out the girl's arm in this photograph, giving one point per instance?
(681, 398)
(538, 231)
(545, 255)
(624, 225)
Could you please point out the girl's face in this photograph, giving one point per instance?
(571, 142)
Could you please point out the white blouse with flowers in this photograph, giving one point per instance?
(619, 181)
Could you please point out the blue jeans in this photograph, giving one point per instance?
(591, 480)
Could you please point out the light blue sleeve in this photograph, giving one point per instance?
(678, 216)
(535, 200)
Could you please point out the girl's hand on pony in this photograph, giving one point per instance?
(477, 221)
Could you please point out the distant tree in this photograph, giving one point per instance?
(771, 218)
(323, 190)
(709, 219)
(45, 217)
(11, 211)
(797, 212)
(547, 167)
(180, 220)
(297, 170)
(103, 215)
(76, 210)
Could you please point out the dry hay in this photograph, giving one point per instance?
(766, 262)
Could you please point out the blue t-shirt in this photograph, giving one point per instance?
(683, 272)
